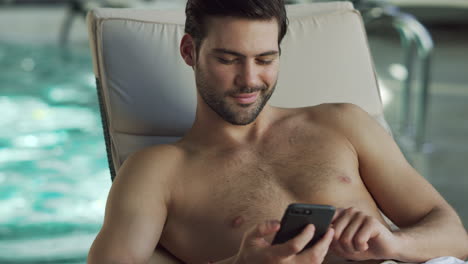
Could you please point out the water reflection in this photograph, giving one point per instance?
(54, 177)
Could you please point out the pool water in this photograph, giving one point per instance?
(54, 175)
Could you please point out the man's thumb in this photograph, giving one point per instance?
(261, 230)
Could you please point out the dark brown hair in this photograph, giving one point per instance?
(198, 10)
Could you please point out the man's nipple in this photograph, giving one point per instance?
(237, 222)
(344, 179)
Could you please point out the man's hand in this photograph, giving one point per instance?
(360, 237)
(255, 249)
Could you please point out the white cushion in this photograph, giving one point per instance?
(148, 93)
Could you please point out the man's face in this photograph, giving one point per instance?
(237, 67)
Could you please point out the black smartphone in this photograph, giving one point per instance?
(298, 216)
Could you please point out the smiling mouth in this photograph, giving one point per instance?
(246, 98)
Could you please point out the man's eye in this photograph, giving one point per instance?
(224, 61)
(264, 62)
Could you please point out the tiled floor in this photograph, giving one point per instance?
(446, 165)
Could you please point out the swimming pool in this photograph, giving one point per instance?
(54, 177)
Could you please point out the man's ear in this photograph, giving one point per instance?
(187, 50)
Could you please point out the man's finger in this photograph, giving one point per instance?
(347, 237)
(337, 249)
(296, 244)
(317, 252)
(364, 234)
(342, 222)
(260, 231)
(338, 211)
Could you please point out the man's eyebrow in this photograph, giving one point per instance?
(234, 53)
(268, 53)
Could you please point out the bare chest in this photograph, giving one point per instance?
(258, 189)
(222, 196)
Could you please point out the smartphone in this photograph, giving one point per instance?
(298, 216)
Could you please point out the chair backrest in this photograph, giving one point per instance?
(148, 94)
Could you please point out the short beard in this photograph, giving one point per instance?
(220, 106)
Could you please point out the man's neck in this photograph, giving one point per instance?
(210, 129)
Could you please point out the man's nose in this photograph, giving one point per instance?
(248, 75)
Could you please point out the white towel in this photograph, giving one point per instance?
(440, 260)
(445, 260)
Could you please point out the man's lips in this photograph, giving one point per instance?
(246, 98)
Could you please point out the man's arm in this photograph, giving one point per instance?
(429, 226)
(136, 208)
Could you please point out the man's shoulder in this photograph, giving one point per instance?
(156, 162)
(333, 114)
(344, 120)
(160, 151)
(336, 108)
(350, 121)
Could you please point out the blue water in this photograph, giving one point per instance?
(54, 176)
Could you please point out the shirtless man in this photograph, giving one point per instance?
(213, 196)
